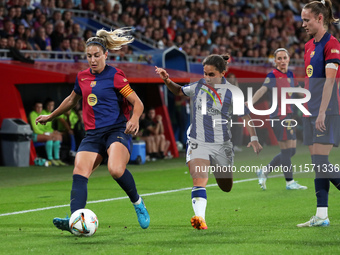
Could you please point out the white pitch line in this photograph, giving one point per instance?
(120, 198)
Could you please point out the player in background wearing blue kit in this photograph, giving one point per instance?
(321, 130)
(209, 144)
(278, 78)
(106, 96)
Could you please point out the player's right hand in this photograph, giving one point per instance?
(162, 73)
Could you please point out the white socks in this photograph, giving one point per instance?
(322, 212)
(199, 204)
(138, 201)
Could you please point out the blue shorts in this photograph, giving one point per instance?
(330, 136)
(99, 140)
(286, 132)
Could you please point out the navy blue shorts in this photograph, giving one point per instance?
(284, 132)
(330, 136)
(99, 140)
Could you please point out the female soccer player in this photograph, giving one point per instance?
(106, 96)
(321, 128)
(286, 135)
(209, 144)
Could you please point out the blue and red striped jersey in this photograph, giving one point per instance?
(104, 97)
(278, 79)
(317, 55)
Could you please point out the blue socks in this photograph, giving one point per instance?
(127, 183)
(78, 192)
(286, 164)
(321, 181)
(275, 161)
(325, 170)
(79, 189)
(283, 159)
(198, 192)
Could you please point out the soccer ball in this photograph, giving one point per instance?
(83, 222)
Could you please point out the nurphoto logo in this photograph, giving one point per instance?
(238, 104)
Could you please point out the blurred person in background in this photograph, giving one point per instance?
(280, 78)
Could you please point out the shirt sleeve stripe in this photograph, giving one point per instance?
(126, 91)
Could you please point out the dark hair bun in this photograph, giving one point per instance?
(225, 57)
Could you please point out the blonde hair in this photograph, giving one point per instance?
(325, 8)
(280, 49)
(111, 40)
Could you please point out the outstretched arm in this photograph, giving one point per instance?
(172, 86)
(259, 93)
(68, 103)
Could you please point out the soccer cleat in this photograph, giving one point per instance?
(198, 222)
(61, 163)
(62, 223)
(54, 162)
(142, 215)
(315, 222)
(262, 179)
(295, 185)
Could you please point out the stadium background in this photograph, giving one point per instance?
(174, 34)
(245, 221)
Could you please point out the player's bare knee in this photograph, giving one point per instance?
(116, 171)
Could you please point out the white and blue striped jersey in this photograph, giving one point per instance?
(210, 124)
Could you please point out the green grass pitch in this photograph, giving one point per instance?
(245, 221)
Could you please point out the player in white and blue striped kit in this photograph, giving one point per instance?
(209, 147)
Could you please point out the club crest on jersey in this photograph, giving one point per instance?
(92, 99)
(267, 80)
(312, 54)
(309, 70)
(125, 80)
(93, 83)
(289, 80)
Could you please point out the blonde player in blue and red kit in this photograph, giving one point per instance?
(322, 127)
(106, 97)
(280, 78)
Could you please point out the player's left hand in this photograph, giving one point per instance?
(256, 146)
(132, 127)
(42, 119)
(320, 122)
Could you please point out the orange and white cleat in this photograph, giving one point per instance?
(198, 222)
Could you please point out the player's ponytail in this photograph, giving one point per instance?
(332, 19)
(111, 40)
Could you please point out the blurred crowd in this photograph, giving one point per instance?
(243, 28)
